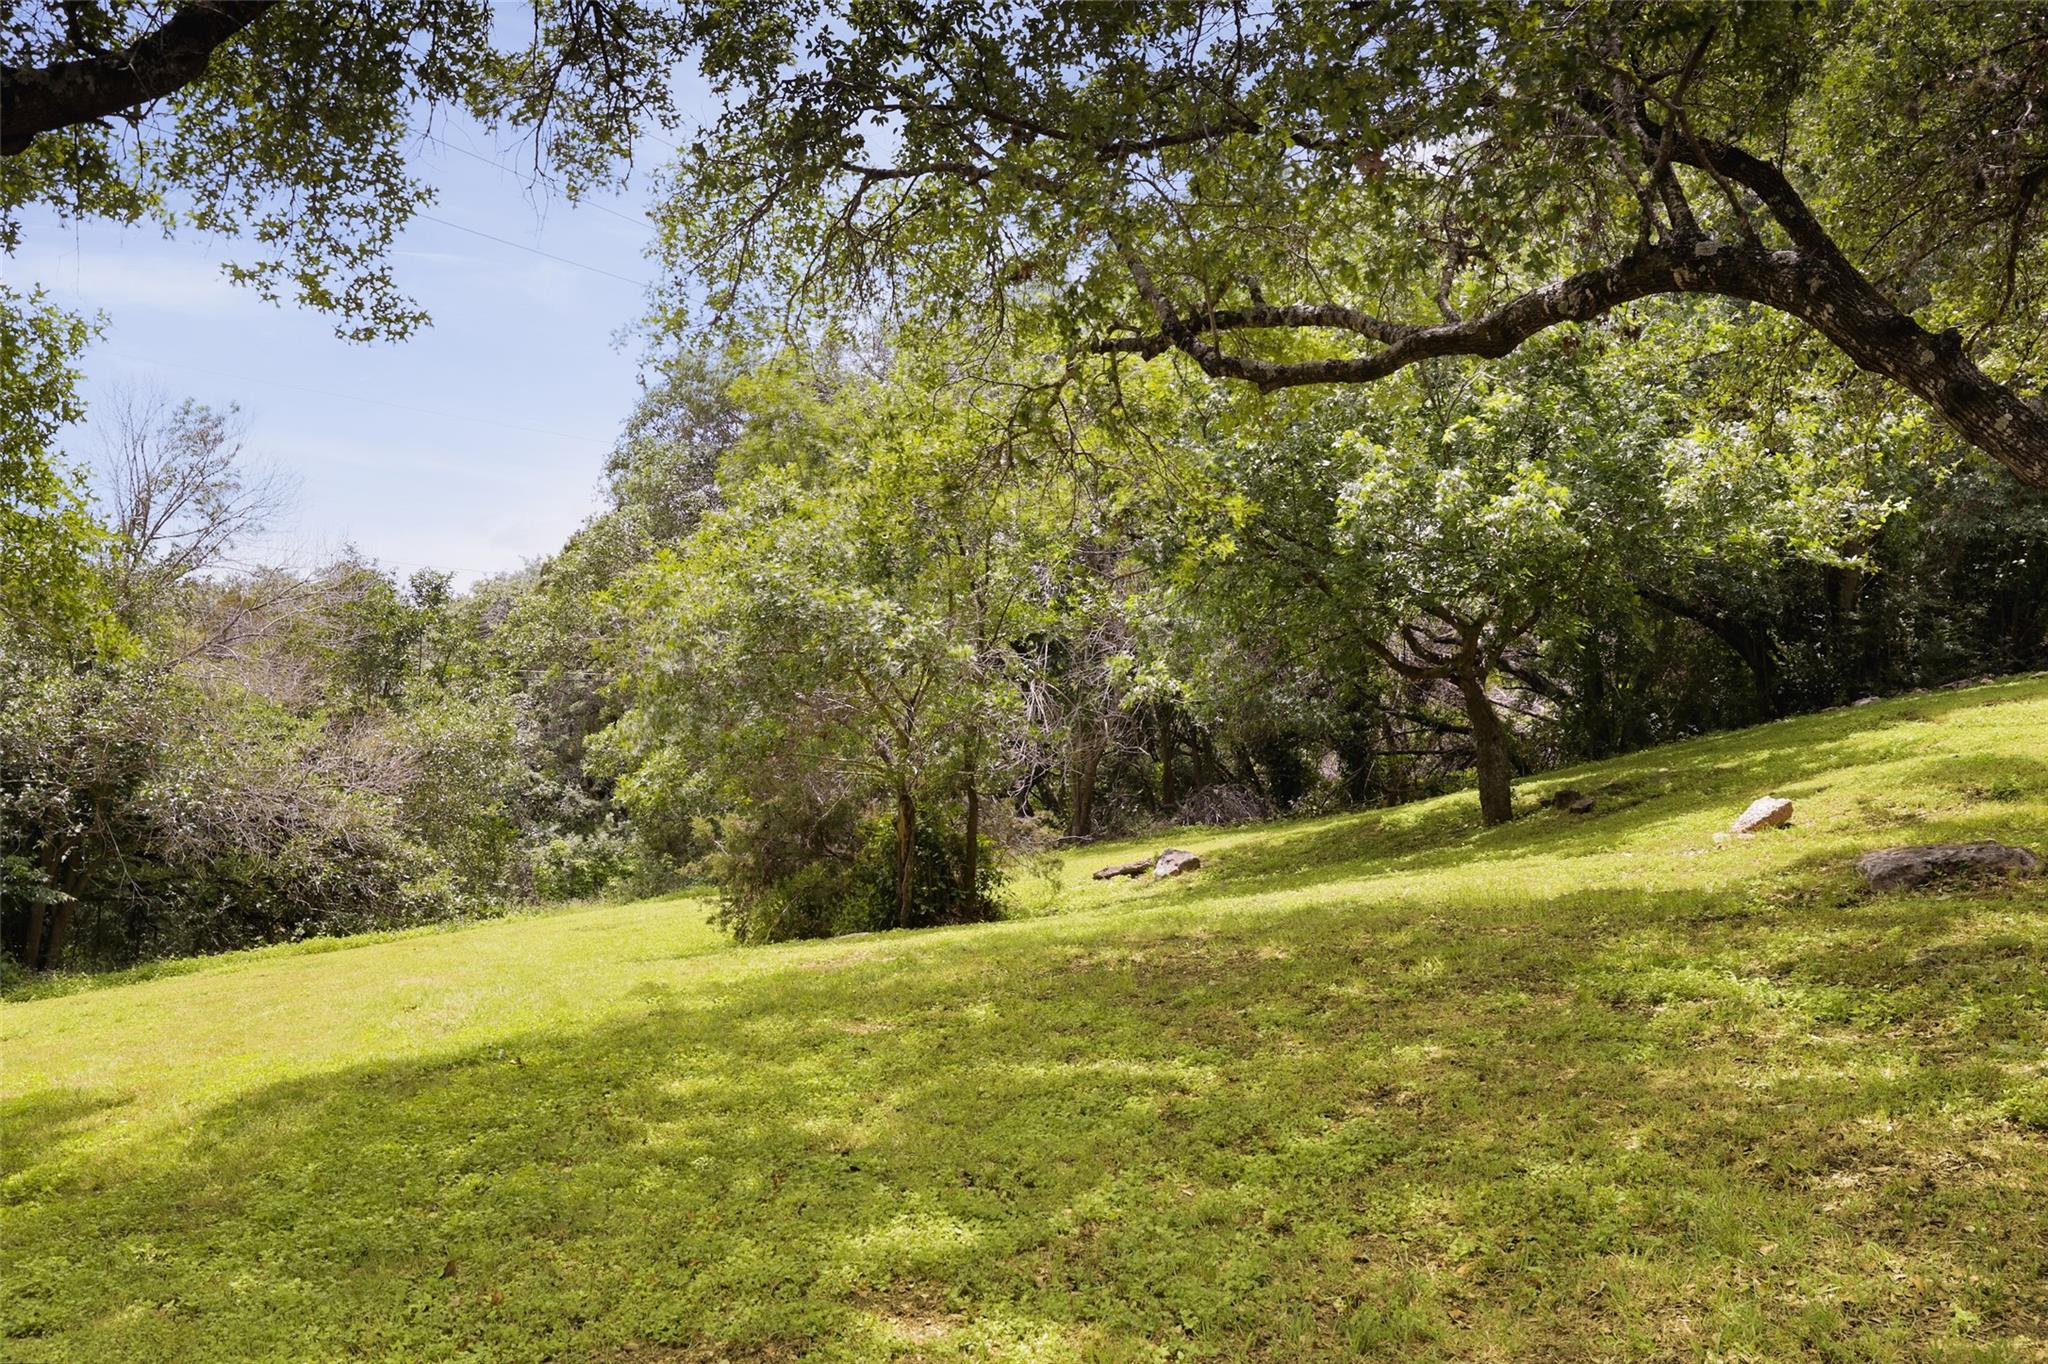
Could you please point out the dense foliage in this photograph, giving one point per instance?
(235, 756)
(1061, 419)
(855, 633)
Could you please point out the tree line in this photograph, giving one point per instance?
(856, 636)
(1171, 414)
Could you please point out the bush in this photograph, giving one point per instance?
(939, 893)
(586, 866)
(169, 816)
(825, 896)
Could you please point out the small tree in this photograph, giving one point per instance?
(1453, 563)
(181, 496)
(1429, 530)
(839, 630)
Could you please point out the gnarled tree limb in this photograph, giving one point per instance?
(1815, 283)
(37, 100)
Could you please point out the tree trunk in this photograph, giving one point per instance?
(1848, 592)
(1750, 643)
(906, 853)
(1490, 744)
(60, 925)
(1081, 791)
(31, 950)
(1169, 790)
(1355, 755)
(1042, 787)
(970, 853)
(1243, 770)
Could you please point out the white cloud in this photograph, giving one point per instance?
(143, 279)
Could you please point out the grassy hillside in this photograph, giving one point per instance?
(1380, 1086)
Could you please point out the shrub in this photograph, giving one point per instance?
(827, 895)
(585, 866)
(169, 817)
(939, 893)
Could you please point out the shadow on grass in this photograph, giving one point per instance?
(1328, 1133)
(47, 1118)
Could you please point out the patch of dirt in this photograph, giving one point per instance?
(843, 960)
(914, 1313)
(744, 1352)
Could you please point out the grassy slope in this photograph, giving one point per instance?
(1381, 1085)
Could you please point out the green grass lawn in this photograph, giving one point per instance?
(1379, 1086)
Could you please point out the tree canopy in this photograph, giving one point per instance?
(290, 125)
(1312, 194)
(1295, 194)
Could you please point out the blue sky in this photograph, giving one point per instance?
(474, 446)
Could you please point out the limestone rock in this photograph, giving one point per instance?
(1174, 861)
(1894, 868)
(1765, 812)
(1137, 868)
(1582, 806)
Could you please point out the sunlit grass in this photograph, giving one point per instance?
(1379, 1086)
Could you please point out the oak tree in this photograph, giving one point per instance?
(1315, 194)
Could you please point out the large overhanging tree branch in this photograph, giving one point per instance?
(1328, 195)
(1813, 281)
(36, 100)
(1820, 288)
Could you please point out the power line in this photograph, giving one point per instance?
(521, 246)
(305, 560)
(637, 219)
(359, 398)
(381, 562)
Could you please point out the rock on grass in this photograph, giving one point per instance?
(1895, 868)
(1765, 812)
